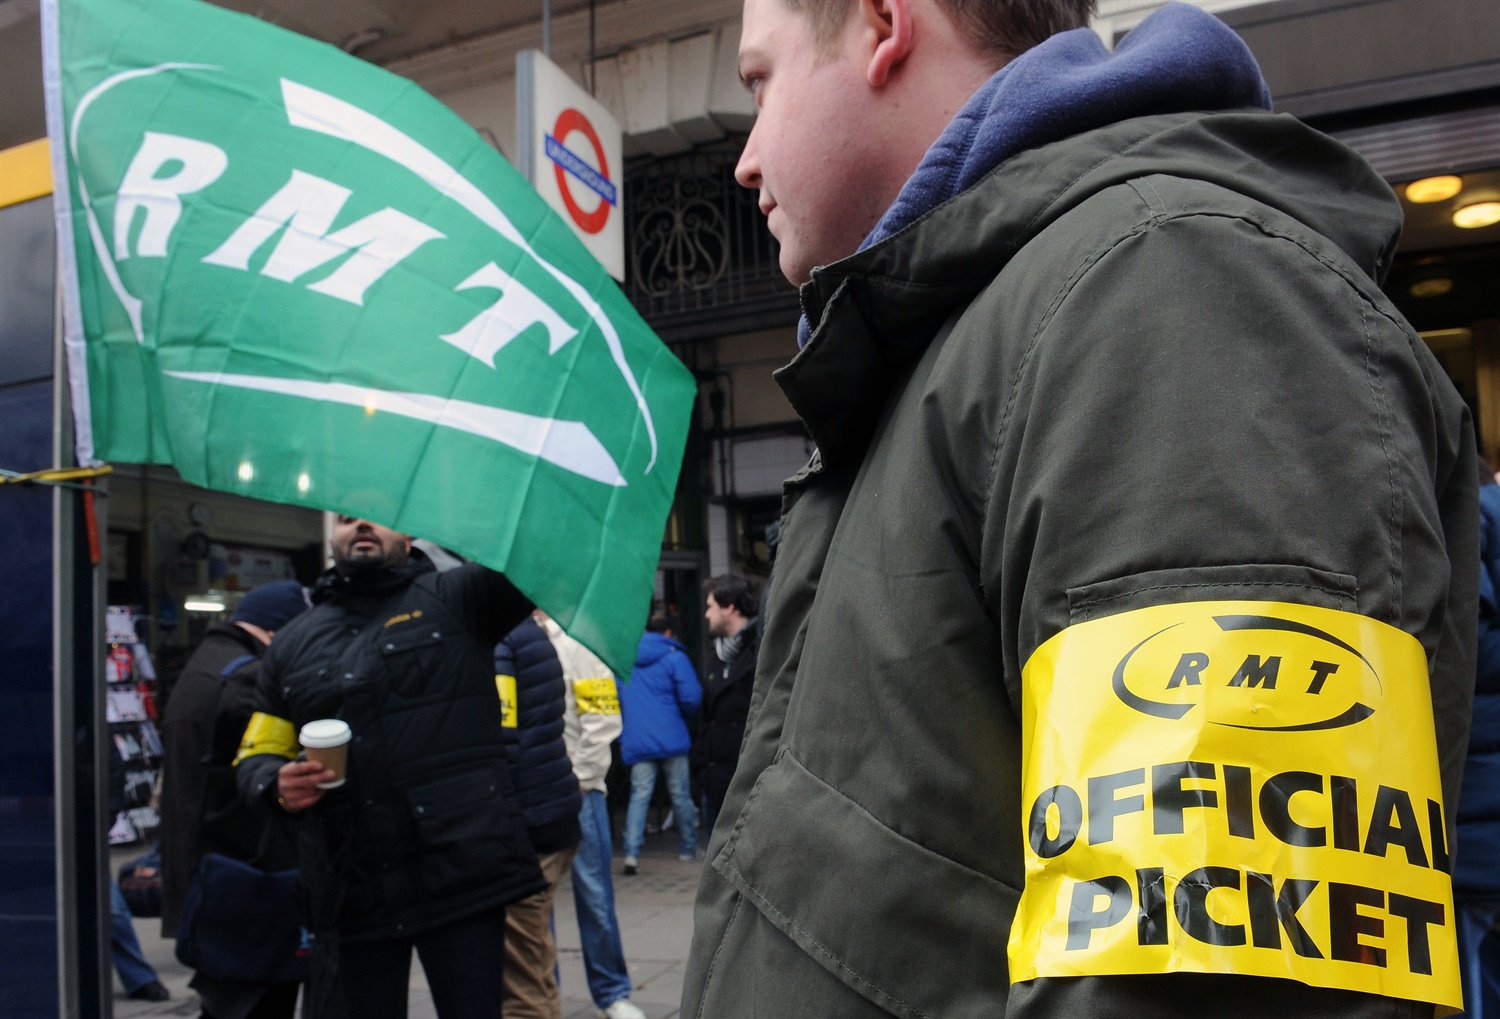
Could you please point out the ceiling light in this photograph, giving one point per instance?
(1472, 217)
(1433, 189)
(1433, 286)
(204, 603)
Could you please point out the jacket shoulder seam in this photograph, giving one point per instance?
(1382, 429)
(1024, 362)
(1156, 220)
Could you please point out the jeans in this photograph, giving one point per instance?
(594, 899)
(463, 961)
(1479, 958)
(130, 962)
(642, 786)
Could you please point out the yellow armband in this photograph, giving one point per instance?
(509, 706)
(597, 696)
(267, 734)
(1235, 787)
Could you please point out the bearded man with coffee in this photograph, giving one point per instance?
(422, 844)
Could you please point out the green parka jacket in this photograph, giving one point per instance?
(1150, 364)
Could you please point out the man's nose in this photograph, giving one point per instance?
(747, 170)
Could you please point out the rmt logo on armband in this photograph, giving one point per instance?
(1309, 667)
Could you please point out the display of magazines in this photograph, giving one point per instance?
(130, 709)
(122, 831)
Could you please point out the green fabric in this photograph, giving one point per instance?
(297, 277)
(1147, 364)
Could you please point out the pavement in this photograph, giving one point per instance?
(655, 909)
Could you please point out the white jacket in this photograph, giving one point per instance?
(591, 721)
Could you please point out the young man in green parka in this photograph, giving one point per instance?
(1119, 651)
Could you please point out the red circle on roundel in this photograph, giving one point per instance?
(570, 120)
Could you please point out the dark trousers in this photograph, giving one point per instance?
(223, 999)
(463, 961)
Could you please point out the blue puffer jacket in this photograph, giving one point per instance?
(534, 748)
(1477, 864)
(663, 693)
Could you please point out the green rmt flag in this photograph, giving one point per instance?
(295, 276)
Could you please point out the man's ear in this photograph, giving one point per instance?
(891, 20)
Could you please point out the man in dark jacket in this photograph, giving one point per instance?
(424, 843)
(663, 693)
(534, 696)
(1120, 648)
(1476, 874)
(730, 608)
(201, 810)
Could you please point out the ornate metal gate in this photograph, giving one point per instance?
(700, 259)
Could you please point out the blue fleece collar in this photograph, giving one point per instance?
(1179, 59)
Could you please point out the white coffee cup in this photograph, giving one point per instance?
(326, 741)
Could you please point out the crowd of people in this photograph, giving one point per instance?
(473, 778)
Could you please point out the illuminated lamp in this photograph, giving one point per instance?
(1434, 189)
(1432, 286)
(1472, 217)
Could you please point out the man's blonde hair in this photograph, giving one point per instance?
(1000, 28)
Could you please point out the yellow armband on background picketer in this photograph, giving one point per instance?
(1235, 787)
(267, 734)
(510, 714)
(597, 696)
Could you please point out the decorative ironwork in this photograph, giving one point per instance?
(698, 248)
(680, 239)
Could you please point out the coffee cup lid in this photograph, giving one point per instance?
(325, 732)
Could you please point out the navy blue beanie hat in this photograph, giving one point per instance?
(272, 606)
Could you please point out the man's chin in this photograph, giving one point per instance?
(364, 563)
(795, 274)
(791, 263)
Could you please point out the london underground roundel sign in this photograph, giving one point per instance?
(571, 149)
(570, 171)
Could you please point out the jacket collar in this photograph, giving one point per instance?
(875, 312)
(337, 587)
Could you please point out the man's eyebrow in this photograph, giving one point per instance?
(745, 54)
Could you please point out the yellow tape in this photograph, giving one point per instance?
(1235, 787)
(510, 716)
(25, 172)
(597, 696)
(267, 734)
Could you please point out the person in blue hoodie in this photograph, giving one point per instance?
(1476, 861)
(663, 693)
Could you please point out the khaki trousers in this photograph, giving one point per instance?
(531, 990)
